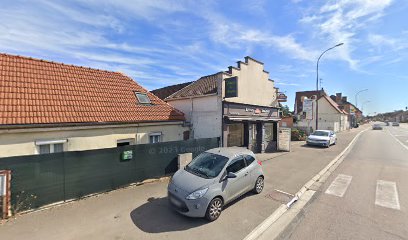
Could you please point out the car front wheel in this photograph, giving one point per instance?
(259, 185)
(214, 209)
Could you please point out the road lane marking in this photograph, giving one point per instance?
(339, 186)
(386, 195)
(402, 144)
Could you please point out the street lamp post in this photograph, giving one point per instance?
(362, 106)
(359, 93)
(317, 83)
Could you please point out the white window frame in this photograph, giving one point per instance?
(51, 143)
(154, 134)
(138, 99)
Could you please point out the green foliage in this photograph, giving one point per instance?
(298, 135)
(23, 202)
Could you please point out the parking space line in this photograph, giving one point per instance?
(386, 195)
(339, 186)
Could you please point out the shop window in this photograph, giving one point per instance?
(235, 135)
(269, 129)
(155, 137)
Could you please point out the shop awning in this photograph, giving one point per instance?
(242, 118)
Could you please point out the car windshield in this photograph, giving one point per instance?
(207, 165)
(320, 133)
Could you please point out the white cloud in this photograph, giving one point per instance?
(342, 20)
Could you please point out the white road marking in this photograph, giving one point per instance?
(386, 195)
(339, 186)
(402, 144)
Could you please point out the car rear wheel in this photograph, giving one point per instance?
(259, 185)
(214, 209)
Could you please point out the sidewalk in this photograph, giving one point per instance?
(142, 212)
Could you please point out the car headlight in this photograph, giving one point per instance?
(197, 194)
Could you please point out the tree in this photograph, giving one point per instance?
(286, 111)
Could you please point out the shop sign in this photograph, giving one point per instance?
(308, 108)
(127, 155)
(245, 110)
(231, 87)
(257, 110)
(282, 97)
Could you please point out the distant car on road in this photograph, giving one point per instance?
(387, 123)
(214, 178)
(377, 127)
(323, 138)
(395, 124)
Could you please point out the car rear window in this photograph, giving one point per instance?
(249, 159)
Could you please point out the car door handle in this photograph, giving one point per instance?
(246, 174)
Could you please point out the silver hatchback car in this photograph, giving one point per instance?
(213, 179)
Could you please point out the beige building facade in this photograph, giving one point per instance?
(239, 106)
(29, 141)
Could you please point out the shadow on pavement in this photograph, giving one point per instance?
(313, 146)
(157, 216)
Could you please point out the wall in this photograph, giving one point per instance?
(254, 86)
(329, 118)
(204, 113)
(286, 122)
(22, 142)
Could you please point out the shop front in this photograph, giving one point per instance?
(250, 126)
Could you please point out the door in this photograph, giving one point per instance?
(239, 185)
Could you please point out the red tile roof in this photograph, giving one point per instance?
(35, 91)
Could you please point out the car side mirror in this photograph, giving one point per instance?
(231, 175)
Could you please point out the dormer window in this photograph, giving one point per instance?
(142, 98)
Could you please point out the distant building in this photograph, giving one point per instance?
(355, 114)
(48, 107)
(239, 105)
(331, 117)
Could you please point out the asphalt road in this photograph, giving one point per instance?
(366, 197)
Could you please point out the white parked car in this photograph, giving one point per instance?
(323, 138)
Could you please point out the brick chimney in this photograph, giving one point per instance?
(338, 98)
(344, 99)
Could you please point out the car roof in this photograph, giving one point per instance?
(230, 152)
(323, 131)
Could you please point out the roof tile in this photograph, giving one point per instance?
(35, 91)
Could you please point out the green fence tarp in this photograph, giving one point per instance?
(38, 180)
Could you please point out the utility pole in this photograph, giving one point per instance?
(317, 84)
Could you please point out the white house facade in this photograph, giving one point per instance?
(239, 106)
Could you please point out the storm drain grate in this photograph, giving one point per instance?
(280, 196)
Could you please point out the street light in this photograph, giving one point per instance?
(359, 93)
(362, 106)
(317, 83)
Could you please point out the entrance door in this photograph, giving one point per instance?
(235, 135)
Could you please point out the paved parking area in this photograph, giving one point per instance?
(142, 212)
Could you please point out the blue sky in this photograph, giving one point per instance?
(163, 42)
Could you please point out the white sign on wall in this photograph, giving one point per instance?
(2, 185)
(308, 108)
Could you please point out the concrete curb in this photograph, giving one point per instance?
(320, 177)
